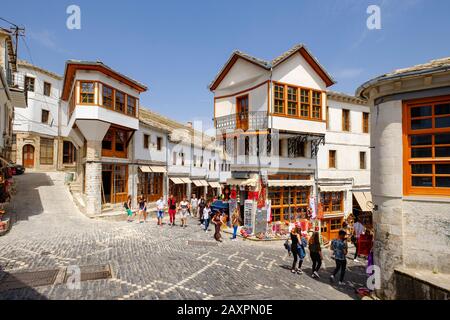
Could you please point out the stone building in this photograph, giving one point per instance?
(279, 124)
(38, 142)
(410, 135)
(11, 91)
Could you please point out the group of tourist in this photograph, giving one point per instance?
(197, 207)
(299, 244)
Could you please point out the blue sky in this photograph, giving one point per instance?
(177, 47)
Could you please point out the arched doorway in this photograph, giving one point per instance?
(28, 156)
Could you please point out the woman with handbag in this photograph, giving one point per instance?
(297, 249)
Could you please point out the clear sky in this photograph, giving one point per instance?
(177, 47)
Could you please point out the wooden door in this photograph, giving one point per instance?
(242, 112)
(28, 156)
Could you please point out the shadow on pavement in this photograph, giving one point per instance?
(12, 288)
(27, 196)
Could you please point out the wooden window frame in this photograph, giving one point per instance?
(113, 153)
(332, 159)
(47, 86)
(146, 141)
(159, 141)
(45, 114)
(46, 144)
(69, 155)
(365, 122)
(116, 92)
(293, 202)
(29, 85)
(327, 119)
(133, 106)
(346, 125)
(304, 102)
(276, 109)
(314, 106)
(150, 185)
(408, 161)
(113, 96)
(81, 92)
(326, 199)
(362, 160)
(292, 101)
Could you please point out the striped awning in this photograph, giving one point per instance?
(364, 200)
(200, 183)
(186, 180)
(145, 168)
(290, 183)
(214, 184)
(158, 169)
(333, 188)
(177, 180)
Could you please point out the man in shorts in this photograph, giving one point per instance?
(184, 210)
(160, 210)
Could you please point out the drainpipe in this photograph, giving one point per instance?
(166, 182)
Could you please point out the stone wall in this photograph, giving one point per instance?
(426, 234)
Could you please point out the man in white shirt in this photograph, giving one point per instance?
(358, 230)
(160, 205)
(194, 205)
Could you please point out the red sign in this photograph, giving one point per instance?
(364, 244)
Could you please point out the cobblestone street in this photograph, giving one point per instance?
(148, 262)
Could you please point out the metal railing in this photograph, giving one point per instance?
(254, 120)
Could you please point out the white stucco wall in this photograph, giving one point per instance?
(347, 145)
(150, 154)
(297, 71)
(29, 119)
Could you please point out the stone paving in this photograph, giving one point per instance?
(148, 261)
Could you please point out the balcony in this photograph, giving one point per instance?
(255, 120)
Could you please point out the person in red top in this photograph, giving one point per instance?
(172, 205)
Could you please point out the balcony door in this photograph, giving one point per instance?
(242, 112)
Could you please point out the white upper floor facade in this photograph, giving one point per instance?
(43, 90)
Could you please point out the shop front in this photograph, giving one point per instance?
(362, 208)
(198, 188)
(332, 204)
(114, 183)
(179, 187)
(151, 182)
(289, 195)
(213, 190)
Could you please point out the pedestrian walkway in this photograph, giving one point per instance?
(147, 261)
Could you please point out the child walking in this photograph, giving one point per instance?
(339, 247)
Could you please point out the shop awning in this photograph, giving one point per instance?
(214, 184)
(332, 188)
(158, 169)
(242, 182)
(364, 200)
(177, 180)
(145, 168)
(290, 183)
(186, 180)
(198, 183)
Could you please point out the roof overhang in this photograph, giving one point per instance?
(301, 49)
(73, 66)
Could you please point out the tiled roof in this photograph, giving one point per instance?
(24, 63)
(176, 130)
(100, 63)
(334, 95)
(269, 64)
(433, 66)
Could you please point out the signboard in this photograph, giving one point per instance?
(312, 205)
(261, 221)
(232, 205)
(249, 213)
